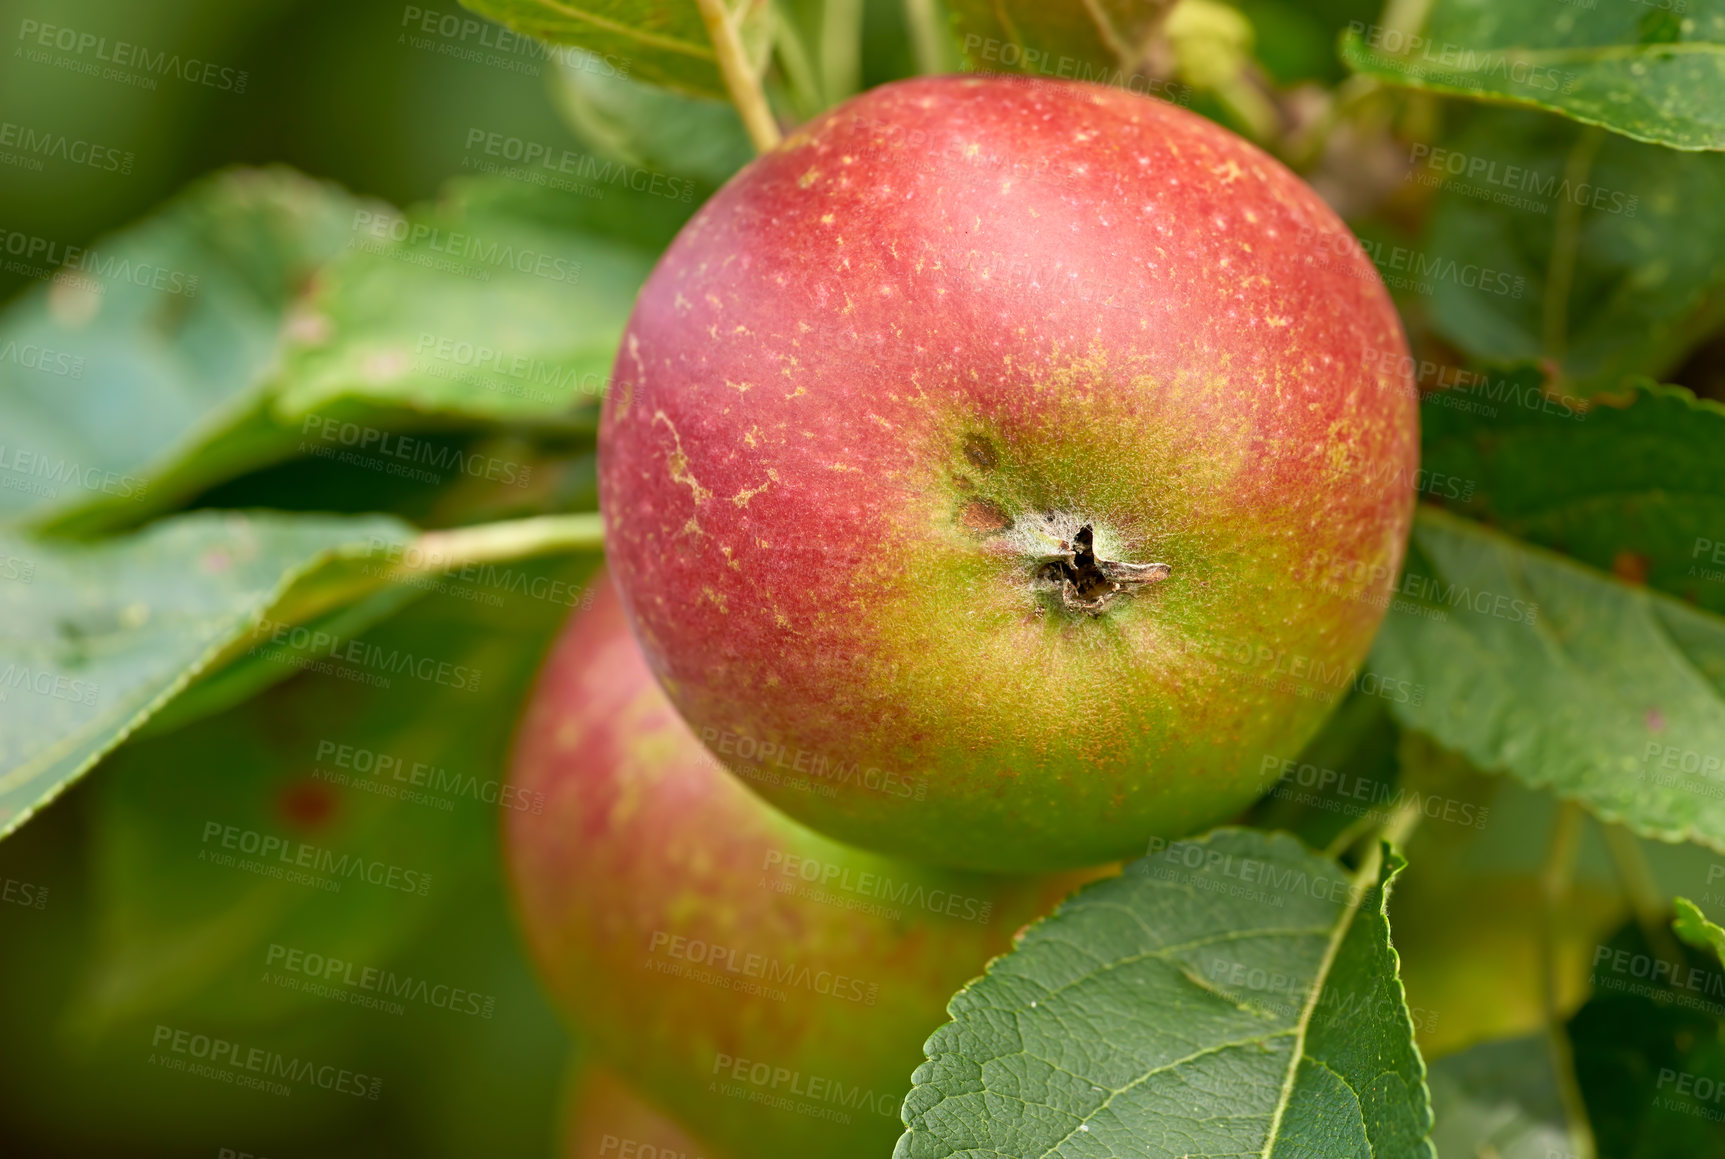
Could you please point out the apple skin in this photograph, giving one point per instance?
(819, 991)
(883, 351)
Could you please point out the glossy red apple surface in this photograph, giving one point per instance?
(996, 471)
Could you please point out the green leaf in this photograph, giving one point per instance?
(1499, 1099)
(1648, 279)
(1232, 995)
(662, 42)
(1607, 694)
(505, 302)
(134, 378)
(349, 593)
(651, 128)
(380, 782)
(1693, 927)
(94, 639)
(1635, 486)
(1652, 72)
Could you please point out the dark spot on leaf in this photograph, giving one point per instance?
(1630, 567)
(306, 804)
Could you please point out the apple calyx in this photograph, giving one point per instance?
(1061, 549)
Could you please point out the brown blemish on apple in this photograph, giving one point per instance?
(984, 518)
(981, 452)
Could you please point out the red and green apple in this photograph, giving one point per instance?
(998, 471)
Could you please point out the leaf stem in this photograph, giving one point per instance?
(741, 80)
(1554, 891)
(841, 48)
(490, 542)
(1395, 830)
(799, 72)
(1646, 901)
(927, 38)
(1560, 271)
